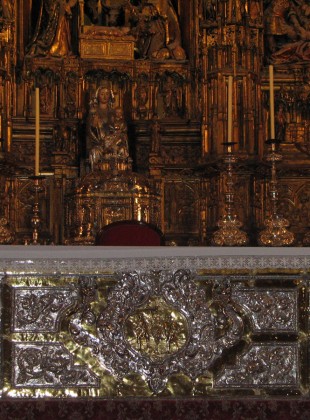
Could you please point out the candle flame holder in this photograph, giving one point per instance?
(229, 233)
(36, 188)
(276, 233)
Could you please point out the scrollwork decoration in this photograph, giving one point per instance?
(207, 332)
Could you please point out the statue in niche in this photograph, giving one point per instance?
(172, 97)
(99, 13)
(52, 35)
(107, 130)
(158, 34)
(155, 135)
(209, 10)
(62, 136)
(280, 122)
(71, 89)
(288, 30)
(142, 97)
(116, 139)
(101, 105)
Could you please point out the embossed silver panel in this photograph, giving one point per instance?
(208, 333)
(263, 366)
(269, 310)
(78, 328)
(39, 309)
(41, 365)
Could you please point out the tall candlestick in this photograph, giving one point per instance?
(229, 117)
(37, 134)
(271, 93)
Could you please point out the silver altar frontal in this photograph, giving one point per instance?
(103, 322)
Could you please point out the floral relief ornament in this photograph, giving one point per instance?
(208, 332)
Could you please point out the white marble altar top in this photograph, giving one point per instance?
(85, 252)
(92, 259)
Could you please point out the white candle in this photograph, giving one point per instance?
(37, 133)
(271, 104)
(229, 116)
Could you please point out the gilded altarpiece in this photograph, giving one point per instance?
(172, 90)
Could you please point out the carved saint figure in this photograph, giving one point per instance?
(280, 122)
(116, 140)
(53, 32)
(96, 11)
(288, 30)
(158, 34)
(209, 10)
(107, 130)
(142, 97)
(100, 106)
(172, 97)
(155, 135)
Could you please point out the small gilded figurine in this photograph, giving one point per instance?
(52, 35)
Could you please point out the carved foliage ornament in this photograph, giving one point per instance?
(269, 365)
(40, 310)
(131, 334)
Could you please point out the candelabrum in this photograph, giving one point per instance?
(229, 233)
(275, 233)
(36, 188)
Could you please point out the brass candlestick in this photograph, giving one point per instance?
(229, 233)
(35, 219)
(276, 233)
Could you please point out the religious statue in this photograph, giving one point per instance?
(52, 35)
(62, 136)
(158, 35)
(209, 10)
(155, 135)
(288, 30)
(116, 139)
(142, 98)
(96, 11)
(280, 123)
(171, 91)
(107, 130)
(100, 105)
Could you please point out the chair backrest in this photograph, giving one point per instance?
(130, 233)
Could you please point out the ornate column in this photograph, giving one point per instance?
(232, 44)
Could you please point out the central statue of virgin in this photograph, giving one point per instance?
(107, 131)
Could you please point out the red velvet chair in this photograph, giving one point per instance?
(130, 233)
